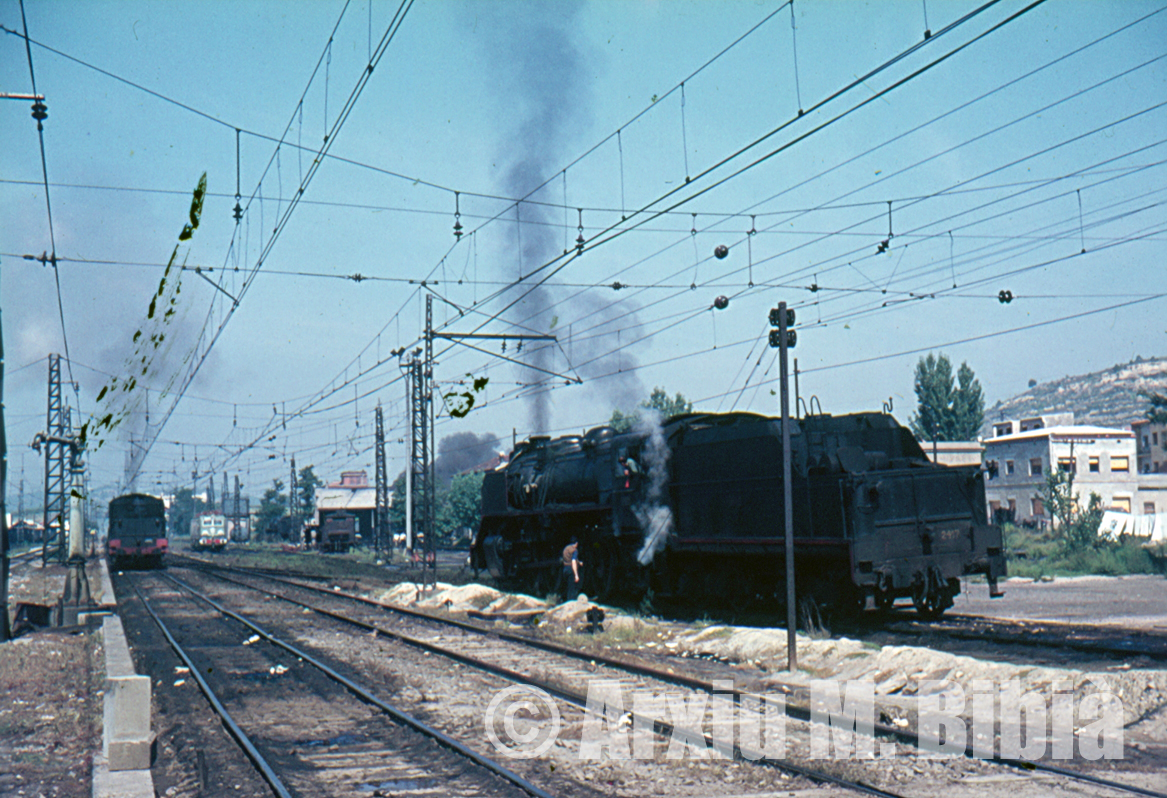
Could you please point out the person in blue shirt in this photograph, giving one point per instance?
(571, 565)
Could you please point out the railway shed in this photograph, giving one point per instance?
(352, 495)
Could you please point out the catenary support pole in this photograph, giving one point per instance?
(787, 496)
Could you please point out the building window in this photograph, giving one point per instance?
(1035, 467)
(1146, 442)
(990, 469)
(1093, 465)
(1038, 506)
(1066, 464)
(1122, 504)
(1148, 508)
(1120, 463)
(1155, 438)
(1003, 429)
(1008, 466)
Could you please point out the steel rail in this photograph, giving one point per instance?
(802, 713)
(667, 730)
(363, 694)
(257, 759)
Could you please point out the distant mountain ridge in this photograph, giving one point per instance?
(1107, 398)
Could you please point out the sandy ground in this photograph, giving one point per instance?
(1135, 601)
(50, 697)
(755, 658)
(50, 681)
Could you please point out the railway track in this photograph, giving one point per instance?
(650, 772)
(350, 747)
(517, 657)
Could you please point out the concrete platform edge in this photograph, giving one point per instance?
(137, 782)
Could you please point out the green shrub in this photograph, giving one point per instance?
(1034, 553)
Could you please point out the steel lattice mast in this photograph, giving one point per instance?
(381, 521)
(57, 429)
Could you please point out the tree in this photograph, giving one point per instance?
(1077, 529)
(183, 508)
(308, 482)
(1157, 411)
(460, 505)
(659, 401)
(272, 507)
(947, 409)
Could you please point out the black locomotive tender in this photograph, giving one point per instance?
(873, 517)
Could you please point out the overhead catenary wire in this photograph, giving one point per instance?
(51, 258)
(330, 138)
(910, 258)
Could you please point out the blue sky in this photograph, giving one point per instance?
(1001, 163)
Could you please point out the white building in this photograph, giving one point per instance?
(1102, 460)
(1151, 439)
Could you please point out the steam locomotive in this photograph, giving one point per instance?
(137, 530)
(693, 508)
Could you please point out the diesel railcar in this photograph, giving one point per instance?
(137, 530)
(208, 532)
(694, 509)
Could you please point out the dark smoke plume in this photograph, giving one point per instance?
(462, 451)
(542, 71)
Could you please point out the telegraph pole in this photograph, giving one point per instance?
(783, 318)
(39, 113)
(5, 631)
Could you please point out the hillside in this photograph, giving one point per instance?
(1107, 398)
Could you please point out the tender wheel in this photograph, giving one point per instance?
(930, 606)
